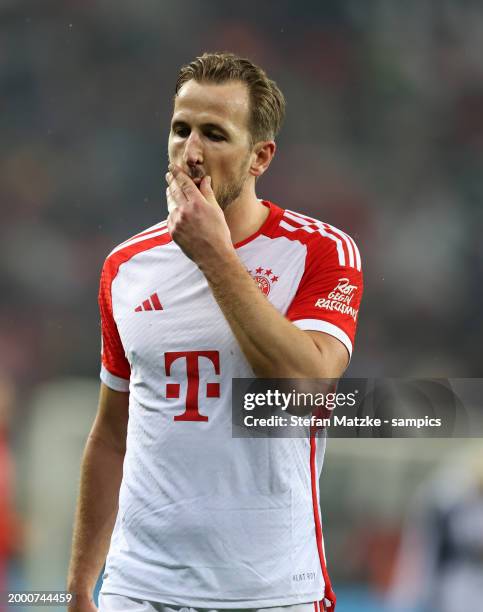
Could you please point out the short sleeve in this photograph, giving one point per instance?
(330, 291)
(115, 368)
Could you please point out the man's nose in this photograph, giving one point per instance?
(193, 151)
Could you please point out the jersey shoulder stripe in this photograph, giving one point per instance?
(144, 240)
(147, 232)
(125, 251)
(297, 224)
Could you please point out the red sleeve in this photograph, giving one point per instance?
(330, 292)
(115, 370)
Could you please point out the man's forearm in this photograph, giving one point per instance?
(97, 506)
(273, 346)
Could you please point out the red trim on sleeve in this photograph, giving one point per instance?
(328, 291)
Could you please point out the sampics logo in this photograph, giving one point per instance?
(264, 277)
(340, 298)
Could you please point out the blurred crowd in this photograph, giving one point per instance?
(383, 138)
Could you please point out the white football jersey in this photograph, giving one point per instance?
(205, 519)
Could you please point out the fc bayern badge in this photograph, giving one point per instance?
(264, 277)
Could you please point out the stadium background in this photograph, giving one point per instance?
(383, 138)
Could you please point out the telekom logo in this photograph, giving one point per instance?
(192, 412)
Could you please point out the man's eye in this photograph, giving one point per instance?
(182, 132)
(216, 137)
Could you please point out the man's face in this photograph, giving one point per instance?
(209, 136)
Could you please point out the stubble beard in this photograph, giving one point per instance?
(227, 193)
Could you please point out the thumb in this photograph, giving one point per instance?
(206, 190)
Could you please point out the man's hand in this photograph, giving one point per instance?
(196, 222)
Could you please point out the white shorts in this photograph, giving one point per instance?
(120, 603)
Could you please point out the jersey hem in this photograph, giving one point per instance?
(198, 602)
(113, 382)
(326, 327)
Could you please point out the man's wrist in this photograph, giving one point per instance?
(215, 260)
(81, 588)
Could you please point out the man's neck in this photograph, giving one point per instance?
(245, 216)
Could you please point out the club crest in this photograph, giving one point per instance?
(264, 277)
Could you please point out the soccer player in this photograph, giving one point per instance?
(190, 517)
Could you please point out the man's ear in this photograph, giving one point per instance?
(262, 155)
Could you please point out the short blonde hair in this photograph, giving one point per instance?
(267, 102)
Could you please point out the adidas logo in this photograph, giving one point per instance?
(152, 303)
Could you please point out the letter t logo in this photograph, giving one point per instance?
(192, 412)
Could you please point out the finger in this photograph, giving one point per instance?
(169, 177)
(177, 192)
(172, 204)
(172, 218)
(184, 181)
(207, 190)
